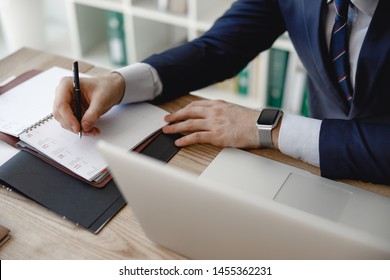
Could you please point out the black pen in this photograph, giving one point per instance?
(77, 92)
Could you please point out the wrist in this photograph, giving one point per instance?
(275, 134)
(268, 121)
(119, 86)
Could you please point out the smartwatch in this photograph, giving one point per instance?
(268, 120)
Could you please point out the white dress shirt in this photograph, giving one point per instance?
(298, 136)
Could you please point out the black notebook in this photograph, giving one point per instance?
(73, 199)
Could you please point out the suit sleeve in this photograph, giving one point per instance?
(246, 29)
(355, 149)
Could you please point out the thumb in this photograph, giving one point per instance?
(91, 116)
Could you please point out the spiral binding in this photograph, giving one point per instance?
(38, 123)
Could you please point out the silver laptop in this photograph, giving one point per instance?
(248, 207)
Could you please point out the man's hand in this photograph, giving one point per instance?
(215, 122)
(98, 96)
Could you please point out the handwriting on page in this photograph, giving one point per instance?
(66, 148)
(125, 126)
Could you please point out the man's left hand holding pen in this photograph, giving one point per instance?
(96, 97)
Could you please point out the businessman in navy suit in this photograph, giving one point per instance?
(345, 137)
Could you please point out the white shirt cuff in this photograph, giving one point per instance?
(299, 138)
(142, 83)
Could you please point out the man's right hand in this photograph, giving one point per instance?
(98, 96)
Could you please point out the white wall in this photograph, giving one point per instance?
(55, 11)
(55, 31)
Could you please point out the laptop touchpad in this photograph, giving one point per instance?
(316, 196)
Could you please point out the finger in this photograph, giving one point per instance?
(189, 112)
(63, 123)
(63, 94)
(62, 105)
(91, 116)
(201, 137)
(206, 103)
(67, 119)
(187, 126)
(197, 109)
(95, 131)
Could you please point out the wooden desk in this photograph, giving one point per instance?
(37, 233)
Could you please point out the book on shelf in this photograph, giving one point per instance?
(294, 85)
(275, 78)
(178, 6)
(116, 38)
(246, 82)
(305, 102)
(257, 79)
(162, 5)
(243, 81)
(39, 133)
(173, 6)
(229, 85)
(277, 72)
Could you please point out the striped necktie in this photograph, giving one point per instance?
(339, 48)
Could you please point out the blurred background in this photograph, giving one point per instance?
(40, 24)
(107, 33)
(114, 33)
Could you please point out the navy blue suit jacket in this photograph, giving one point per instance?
(355, 142)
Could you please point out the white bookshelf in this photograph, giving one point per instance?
(257, 98)
(149, 30)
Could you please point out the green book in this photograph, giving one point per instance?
(277, 69)
(305, 102)
(116, 38)
(243, 81)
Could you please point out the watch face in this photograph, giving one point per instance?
(268, 116)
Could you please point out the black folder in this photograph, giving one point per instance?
(73, 199)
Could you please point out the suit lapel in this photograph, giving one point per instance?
(373, 54)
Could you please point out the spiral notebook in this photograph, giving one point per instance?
(26, 114)
(49, 139)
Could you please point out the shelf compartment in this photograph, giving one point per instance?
(205, 16)
(113, 5)
(148, 9)
(92, 34)
(154, 37)
(153, 5)
(91, 26)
